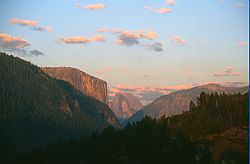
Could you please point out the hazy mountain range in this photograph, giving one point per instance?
(178, 102)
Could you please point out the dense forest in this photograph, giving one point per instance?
(36, 109)
(215, 130)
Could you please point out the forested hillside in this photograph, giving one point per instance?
(36, 109)
(215, 130)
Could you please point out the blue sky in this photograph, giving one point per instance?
(141, 49)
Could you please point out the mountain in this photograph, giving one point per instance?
(85, 83)
(178, 102)
(36, 109)
(213, 131)
(125, 105)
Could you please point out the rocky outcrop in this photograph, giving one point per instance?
(37, 110)
(125, 105)
(85, 83)
(178, 102)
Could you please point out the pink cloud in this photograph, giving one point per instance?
(48, 28)
(171, 2)
(163, 90)
(108, 68)
(133, 37)
(240, 5)
(17, 45)
(112, 30)
(31, 23)
(92, 6)
(179, 40)
(133, 34)
(242, 44)
(151, 35)
(100, 72)
(23, 22)
(97, 38)
(162, 10)
(203, 41)
(105, 70)
(189, 72)
(8, 41)
(82, 39)
(228, 71)
(123, 69)
(221, 1)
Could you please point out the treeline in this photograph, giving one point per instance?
(213, 113)
(213, 131)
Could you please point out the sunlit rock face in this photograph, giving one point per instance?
(125, 105)
(85, 83)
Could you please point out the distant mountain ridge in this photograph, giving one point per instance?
(179, 101)
(82, 81)
(125, 105)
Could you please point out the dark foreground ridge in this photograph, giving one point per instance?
(36, 109)
(213, 131)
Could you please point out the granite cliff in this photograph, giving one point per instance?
(85, 83)
(125, 105)
(36, 109)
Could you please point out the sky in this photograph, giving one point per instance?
(145, 47)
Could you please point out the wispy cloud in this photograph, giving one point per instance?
(31, 23)
(91, 6)
(171, 2)
(228, 71)
(242, 44)
(46, 28)
(109, 69)
(162, 10)
(240, 5)
(17, 45)
(134, 37)
(179, 40)
(157, 46)
(105, 70)
(123, 69)
(82, 39)
(189, 72)
(221, 1)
